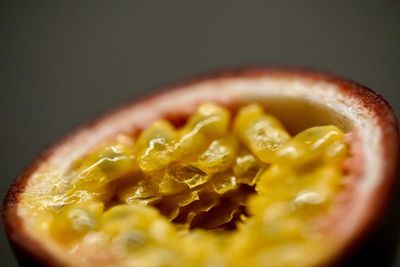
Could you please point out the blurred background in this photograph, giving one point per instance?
(62, 63)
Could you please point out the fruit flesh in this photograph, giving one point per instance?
(235, 191)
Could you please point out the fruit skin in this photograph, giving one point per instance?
(27, 251)
(31, 253)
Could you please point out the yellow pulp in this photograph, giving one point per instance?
(218, 191)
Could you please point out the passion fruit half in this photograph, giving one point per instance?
(256, 167)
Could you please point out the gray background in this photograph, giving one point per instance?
(63, 62)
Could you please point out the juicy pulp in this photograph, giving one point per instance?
(221, 190)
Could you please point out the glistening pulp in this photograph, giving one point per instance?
(224, 189)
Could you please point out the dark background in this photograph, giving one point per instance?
(61, 63)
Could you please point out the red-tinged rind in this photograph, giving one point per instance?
(366, 111)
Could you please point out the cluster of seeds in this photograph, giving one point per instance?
(175, 192)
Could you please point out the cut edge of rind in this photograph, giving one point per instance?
(371, 101)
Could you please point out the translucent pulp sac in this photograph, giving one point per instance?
(221, 190)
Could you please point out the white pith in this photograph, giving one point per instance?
(228, 90)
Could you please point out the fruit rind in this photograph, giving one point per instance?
(372, 105)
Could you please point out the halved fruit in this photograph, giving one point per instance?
(257, 167)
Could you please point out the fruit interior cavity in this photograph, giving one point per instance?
(224, 188)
